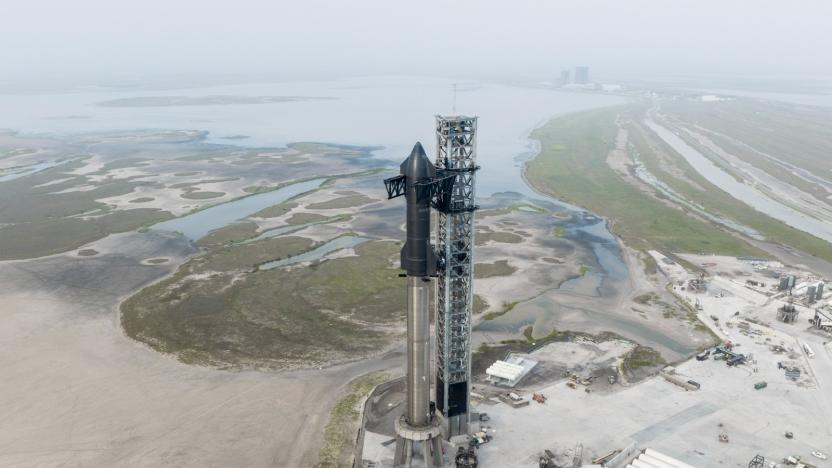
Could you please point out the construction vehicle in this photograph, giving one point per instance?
(480, 438)
(465, 458)
(736, 360)
(546, 462)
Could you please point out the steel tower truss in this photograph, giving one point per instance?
(455, 154)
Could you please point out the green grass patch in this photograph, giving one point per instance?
(572, 166)
(306, 218)
(347, 201)
(234, 232)
(217, 310)
(482, 238)
(344, 422)
(507, 307)
(275, 211)
(714, 200)
(528, 208)
(480, 304)
(650, 266)
(490, 270)
(641, 357)
(201, 195)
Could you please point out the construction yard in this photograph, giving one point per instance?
(773, 400)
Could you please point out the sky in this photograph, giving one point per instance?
(107, 41)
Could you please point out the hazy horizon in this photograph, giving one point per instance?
(94, 42)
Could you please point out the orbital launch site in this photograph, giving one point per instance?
(416, 234)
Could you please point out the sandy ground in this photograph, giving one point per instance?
(545, 306)
(76, 392)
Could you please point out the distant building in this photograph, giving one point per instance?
(581, 75)
(810, 294)
(819, 292)
(787, 282)
(564, 79)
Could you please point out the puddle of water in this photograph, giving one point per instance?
(588, 284)
(338, 243)
(546, 315)
(536, 313)
(16, 173)
(283, 230)
(197, 225)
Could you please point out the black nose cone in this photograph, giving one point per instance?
(417, 166)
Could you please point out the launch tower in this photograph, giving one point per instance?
(456, 154)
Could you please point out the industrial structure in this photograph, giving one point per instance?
(787, 313)
(564, 78)
(822, 320)
(581, 75)
(423, 186)
(456, 155)
(787, 282)
(814, 292)
(810, 294)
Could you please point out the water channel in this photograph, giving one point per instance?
(739, 190)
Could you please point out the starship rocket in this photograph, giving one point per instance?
(419, 262)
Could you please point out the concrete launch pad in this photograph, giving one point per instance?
(414, 440)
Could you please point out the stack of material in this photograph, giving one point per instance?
(510, 371)
(653, 459)
(513, 400)
(504, 370)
